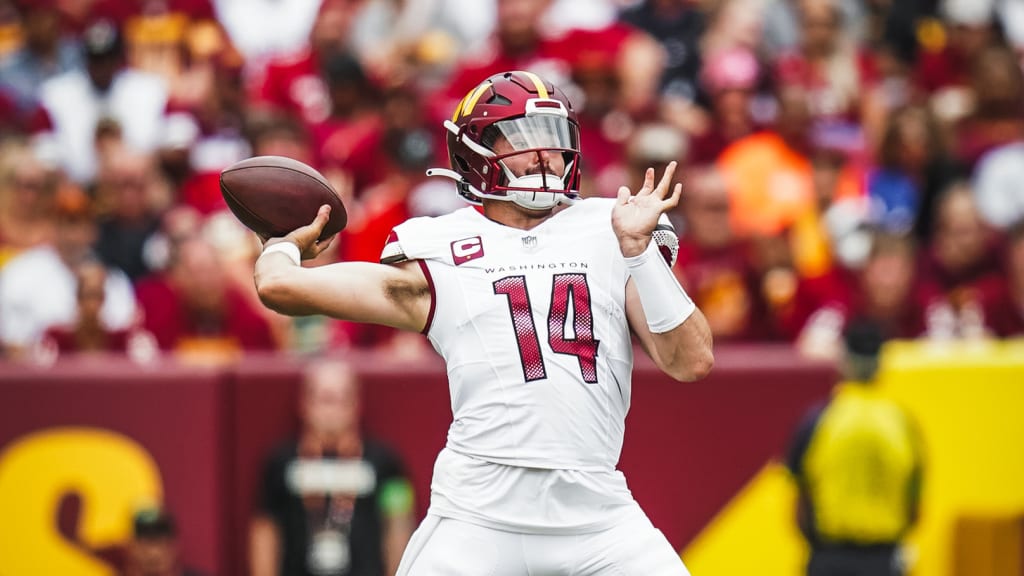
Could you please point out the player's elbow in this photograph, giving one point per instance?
(695, 366)
(703, 365)
(275, 291)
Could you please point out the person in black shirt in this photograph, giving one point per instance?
(332, 503)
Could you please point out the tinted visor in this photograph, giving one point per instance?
(540, 131)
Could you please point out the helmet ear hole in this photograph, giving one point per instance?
(461, 163)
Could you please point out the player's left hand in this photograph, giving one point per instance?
(634, 217)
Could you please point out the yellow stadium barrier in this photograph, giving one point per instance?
(967, 399)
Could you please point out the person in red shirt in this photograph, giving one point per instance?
(350, 138)
(997, 85)
(714, 265)
(191, 306)
(833, 70)
(88, 334)
(885, 291)
(961, 269)
(522, 41)
(730, 78)
(1005, 310)
(943, 68)
(294, 84)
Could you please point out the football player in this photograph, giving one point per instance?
(531, 300)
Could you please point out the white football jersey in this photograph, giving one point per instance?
(532, 327)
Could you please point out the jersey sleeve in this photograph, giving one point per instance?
(393, 252)
(422, 238)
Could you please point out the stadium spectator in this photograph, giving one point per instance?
(38, 287)
(730, 78)
(214, 127)
(913, 167)
(677, 25)
(158, 34)
(88, 334)
(997, 87)
(153, 549)
(349, 139)
(961, 268)
(44, 54)
(713, 265)
(769, 173)
(733, 25)
(332, 501)
(948, 51)
(782, 30)
(831, 67)
(1006, 309)
(281, 135)
(129, 187)
(294, 84)
(525, 39)
(75, 103)
(191, 307)
(997, 184)
(820, 239)
(652, 144)
(263, 30)
(604, 124)
(858, 467)
(884, 290)
(27, 193)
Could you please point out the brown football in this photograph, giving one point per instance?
(273, 195)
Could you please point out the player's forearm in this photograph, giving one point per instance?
(685, 352)
(674, 332)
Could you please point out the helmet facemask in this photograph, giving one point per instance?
(531, 159)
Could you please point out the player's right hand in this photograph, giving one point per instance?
(306, 237)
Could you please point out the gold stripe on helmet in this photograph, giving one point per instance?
(542, 90)
(458, 109)
(469, 102)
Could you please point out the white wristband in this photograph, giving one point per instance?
(287, 248)
(665, 303)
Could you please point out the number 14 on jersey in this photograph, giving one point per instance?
(565, 288)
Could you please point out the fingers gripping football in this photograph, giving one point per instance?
(307, 237)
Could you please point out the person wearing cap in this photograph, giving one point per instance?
(153, 549)
(74, 104)
(730, 78)
(858, 468)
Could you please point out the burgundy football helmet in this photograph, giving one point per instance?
(515, 120)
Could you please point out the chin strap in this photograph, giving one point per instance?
(524, 198)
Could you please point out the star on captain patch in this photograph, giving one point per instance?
(529, 242)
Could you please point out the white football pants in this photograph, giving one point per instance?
(448, 547)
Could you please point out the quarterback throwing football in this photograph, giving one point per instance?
(531, 302)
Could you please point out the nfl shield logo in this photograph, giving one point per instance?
(529, 242)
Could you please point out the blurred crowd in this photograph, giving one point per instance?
(843, 159)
